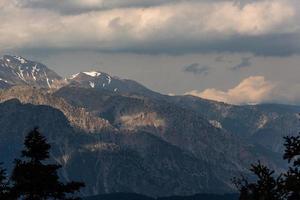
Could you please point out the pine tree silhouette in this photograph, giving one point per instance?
(285, 187)
(266, 187)
(33, 179)
(292, 176)
(4, 186)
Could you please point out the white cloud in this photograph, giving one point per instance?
(252, 90)
(134, 28)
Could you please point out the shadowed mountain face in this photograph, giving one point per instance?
(142, 145)
(118, 136)
(182, 127)
(109, 161)
(77, 116)
(263, 124)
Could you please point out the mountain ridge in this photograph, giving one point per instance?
(16, 70)
(165, 145)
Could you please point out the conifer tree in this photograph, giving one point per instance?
(33, 179)
(266, 187)
(285, 187)
(4, 186)
(292, 176)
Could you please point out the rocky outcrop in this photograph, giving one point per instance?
(78, 117)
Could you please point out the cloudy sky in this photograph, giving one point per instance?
(242, 51)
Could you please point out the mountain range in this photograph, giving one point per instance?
(116, 135)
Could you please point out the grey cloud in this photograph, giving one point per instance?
(79, 6)
(245, 62)
(273, 45)
(196, 68)
(219, 59)
(222, 59)
(169, 29)
(266, 45)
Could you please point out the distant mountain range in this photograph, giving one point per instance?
(118, 136)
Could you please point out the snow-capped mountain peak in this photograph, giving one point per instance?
(16, 70)
(20, 59)
(102, 81)
(93, 79)
(9, 59)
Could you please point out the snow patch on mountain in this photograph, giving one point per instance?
(33, 71)
(21, 75)
(49, 85)
(92, 73)
(3, 80)
(92, 84)
(262, 122)
(74, 76)
(108, 79)
(216, 124)
(22, 60)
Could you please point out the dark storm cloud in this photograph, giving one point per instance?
(197, 69)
